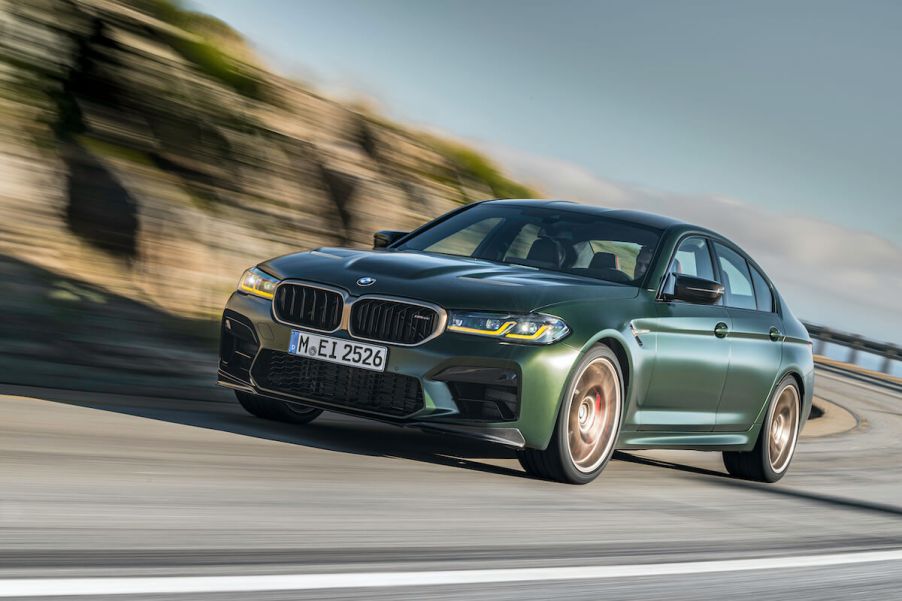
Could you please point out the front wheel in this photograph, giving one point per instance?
(587, 424)
(769, 460)
(279, 411)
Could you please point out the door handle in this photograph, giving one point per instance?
(720, 330)
(774, 334)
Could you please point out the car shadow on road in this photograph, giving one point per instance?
(331, 432)
(622, 456)
(724, 479)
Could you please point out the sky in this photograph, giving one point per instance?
(777, 123)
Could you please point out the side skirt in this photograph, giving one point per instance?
(692, 441)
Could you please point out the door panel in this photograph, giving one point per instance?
(756, 341)
(754, 363)
(690, 368)
(690, 361)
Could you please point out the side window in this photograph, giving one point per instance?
(464, 242)
(763, 296)
(736, 278)
(693, 258)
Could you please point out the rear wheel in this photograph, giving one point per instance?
(776, 444)
(587, 425)
(276, 410)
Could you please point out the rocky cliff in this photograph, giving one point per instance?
(147, 158)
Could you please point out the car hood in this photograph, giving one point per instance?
(451, 282)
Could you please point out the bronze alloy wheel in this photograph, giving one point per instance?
(594, 415)
(587, 425)
(769, 460)
(783, 428)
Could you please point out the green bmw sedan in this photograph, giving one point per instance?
(560, 330)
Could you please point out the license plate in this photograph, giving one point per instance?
(337, 350)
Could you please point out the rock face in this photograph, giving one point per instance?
(145, 152)
(147, 160)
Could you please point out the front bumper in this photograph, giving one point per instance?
(541, 372)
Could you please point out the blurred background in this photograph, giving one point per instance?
(150, 150)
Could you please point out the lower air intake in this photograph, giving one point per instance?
(351, 387)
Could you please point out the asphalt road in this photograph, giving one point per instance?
(197, 500)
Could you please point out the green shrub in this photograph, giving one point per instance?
(203, 54)
(474, 166)
(216, 64)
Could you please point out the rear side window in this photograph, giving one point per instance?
(736, 278)
(763, 295)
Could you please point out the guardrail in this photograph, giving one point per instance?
(856, 344)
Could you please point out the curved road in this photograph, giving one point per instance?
(198, 500)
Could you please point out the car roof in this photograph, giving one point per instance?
(639, 217)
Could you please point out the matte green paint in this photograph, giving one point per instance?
(685, 387)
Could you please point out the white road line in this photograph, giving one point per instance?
(39, 587)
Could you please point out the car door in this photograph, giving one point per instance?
(692, 353)
(755, 337)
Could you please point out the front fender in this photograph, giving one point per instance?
(615, 323)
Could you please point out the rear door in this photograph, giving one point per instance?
(756, 340)
(692, 353)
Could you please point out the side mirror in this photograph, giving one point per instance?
(385, 238)
(692, 289)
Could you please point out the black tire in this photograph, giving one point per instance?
(275, 410)
(757, 465)
(557, 461)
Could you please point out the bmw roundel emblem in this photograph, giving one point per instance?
(367, 281)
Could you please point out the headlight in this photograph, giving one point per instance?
(258, 283)
(533, 328)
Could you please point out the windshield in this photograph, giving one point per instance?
(545, 238)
